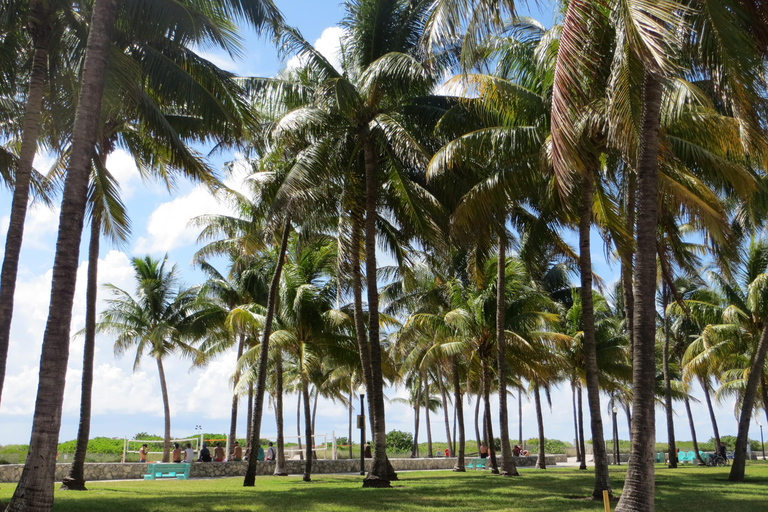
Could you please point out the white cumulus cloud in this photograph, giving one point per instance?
(328, 44)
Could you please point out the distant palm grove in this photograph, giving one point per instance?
(462, 143)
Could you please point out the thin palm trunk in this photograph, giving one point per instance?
(280, 456)
(627, 261)
(576, 424)
(541, 460)
(668, 383)
(416, 420)
(750, 393)
(582, 442)
(307, 430)
(314, 411)
(458, 400)
(235, 398)
(261, 378)
(34, 491)
(298, 423)
(381, 472)
(487, 425)
(249, 417)
(639, 486)
(166, 411)
(507, 465)
(76, 479)
(41, 37)
(455, 420)
(628, 413)
(477, 415)
(444, 398)
(351, 408)
(520, 416)
(712, 418)
(693, 431)
(427, 421)
(599, 453)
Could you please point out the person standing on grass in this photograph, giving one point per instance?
(176, 457)
(189, 454)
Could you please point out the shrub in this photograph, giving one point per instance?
(343, 441)
(398, 441)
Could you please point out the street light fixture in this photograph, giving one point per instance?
(761, 437)
(361, 426)
(199, 430)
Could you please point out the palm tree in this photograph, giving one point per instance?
(158, 320)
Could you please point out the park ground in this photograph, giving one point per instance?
(562, 489)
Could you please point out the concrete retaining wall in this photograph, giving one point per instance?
(128, 471)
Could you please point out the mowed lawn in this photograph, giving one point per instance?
(683, 489)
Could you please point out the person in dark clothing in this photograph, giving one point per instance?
(367, 451)
(205, 454)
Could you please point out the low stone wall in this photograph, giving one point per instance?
(128, 471)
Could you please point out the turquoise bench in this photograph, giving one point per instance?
(166, 470)
(478, 464)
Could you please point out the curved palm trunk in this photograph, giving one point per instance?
(314, 414)
(693, 432)
(381, 470)
(576, 424)
(307, 431)
(280, 458)
(298, 422)
(444, 398)
(458, 400)
(541, 460)
(599, 453)
(487, 422)
(235, 399)
(249, 414)
(75, 481)
(34, 491)
(639, 486)
(750, 393)
(507, 465)
(582, 444)
(30, 133)
(668, 385)
(416, 414)
(261, 379)
(166, 411)
(712, 418)
(426, 416)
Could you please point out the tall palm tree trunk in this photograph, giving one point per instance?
(750, 393)
(668, 384)
(166, 411)
(280, 456)
(693, 431)
(477, 415)
(261, 376)
(541, 460)
(487, 422)
(249, 418)
(34, 491)
(507, 465)
(298, 423)
(455, 419)
(582, 443)
(599, 453)
(628, 413)
(627, 260)
(235, 399)
(712, 418)
(639, 486)
(351, 408)
(380, 473)
(307, 431)
(416, 420)
(576, 424)
(458, 400)
(520, 415)
(444, 398)
(430, 454)
(41, 39)
(314, 411)
(75, 481)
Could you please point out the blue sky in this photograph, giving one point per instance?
(127, 402)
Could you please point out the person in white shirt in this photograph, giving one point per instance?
(189, 453)
(271, 452)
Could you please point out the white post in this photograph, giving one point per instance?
(333, 445)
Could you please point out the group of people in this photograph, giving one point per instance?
(188, 453)
(517, 451)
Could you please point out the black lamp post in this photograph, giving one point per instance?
(761, 438)
(361, 424)
(616, 459)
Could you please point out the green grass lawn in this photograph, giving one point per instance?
(687, 488)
